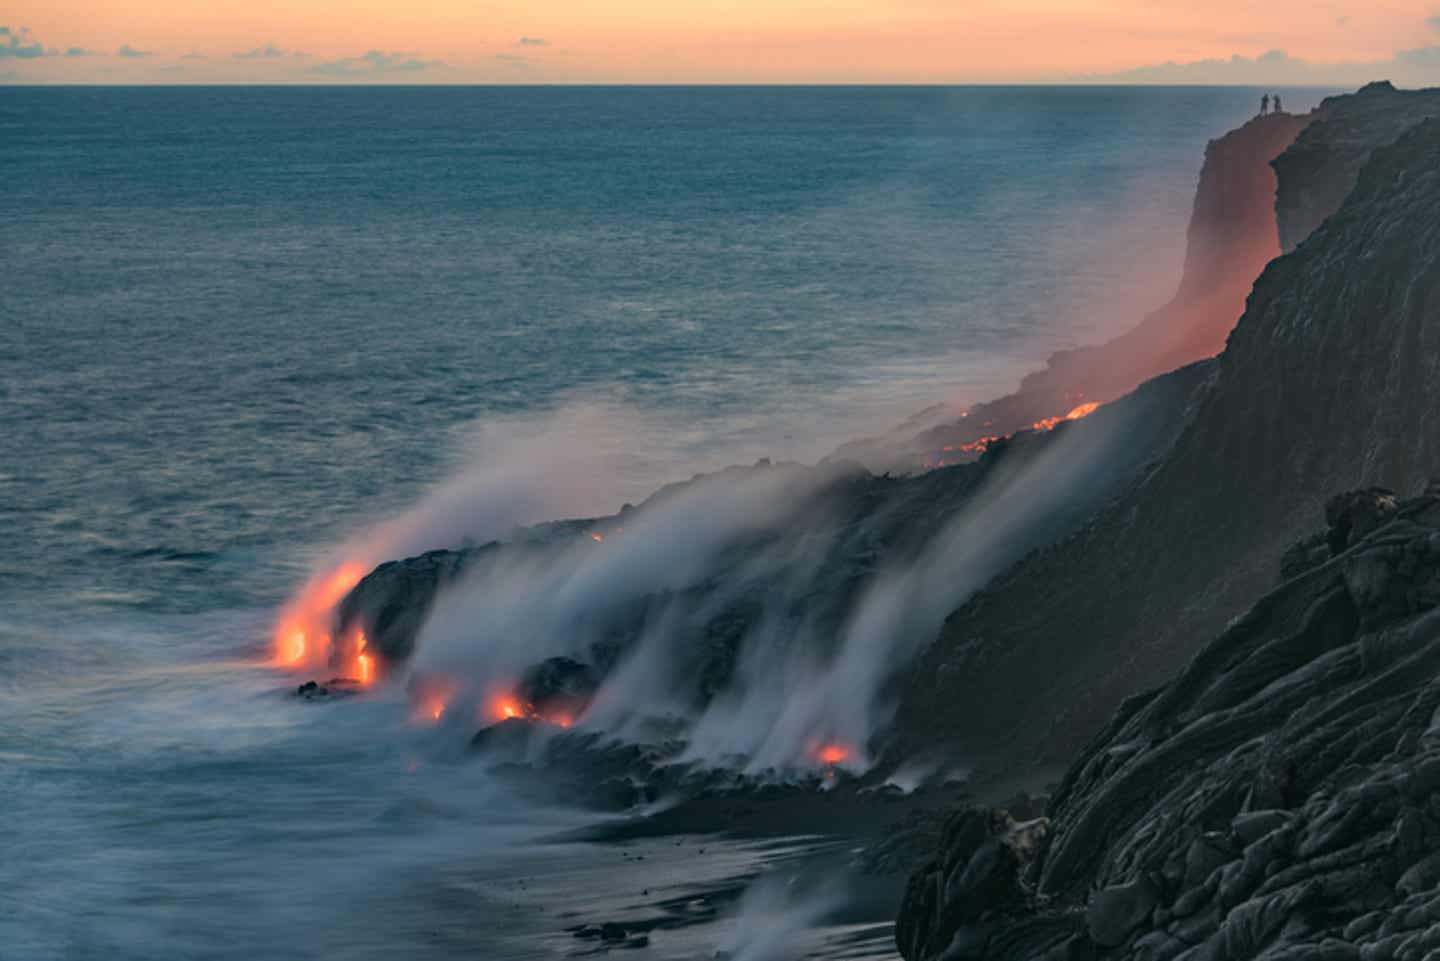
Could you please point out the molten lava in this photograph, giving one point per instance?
(507, 707)
(303, 634)
(983, 444)
(832, 754)
(364, 663)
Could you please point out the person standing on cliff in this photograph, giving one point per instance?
(1264, 105)
(1278, 108)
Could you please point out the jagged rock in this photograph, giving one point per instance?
(1118, 910)
(975, 875)
(559, 685)
(1352, 516)
(1325, 385)
(1321, 168)
(391, 602)
(1322, 680)
(1231, 236)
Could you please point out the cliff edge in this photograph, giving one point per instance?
(1327, 383)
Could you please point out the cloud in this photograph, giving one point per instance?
(194, 55)
(268, 52)
(130, 52)
(82, 52)
(375, 63)
(1407, 67)
(532, 42)
(1433, 22)
(18, 44)
(1425, 57)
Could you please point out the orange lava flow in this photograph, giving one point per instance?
(507, 707)
(303, 635)
(364, 663)
(983, 444)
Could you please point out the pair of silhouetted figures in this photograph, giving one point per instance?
(1265, 104)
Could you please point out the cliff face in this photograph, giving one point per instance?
(1232, 235)
(1318, 172)
(1328, 383)
(1279, 799)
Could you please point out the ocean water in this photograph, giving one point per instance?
(241, 325)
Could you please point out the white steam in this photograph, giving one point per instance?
(825, 624)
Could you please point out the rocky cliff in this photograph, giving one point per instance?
(1327, 383)
(1279, 799)
(1231, 236)
(1319, 170)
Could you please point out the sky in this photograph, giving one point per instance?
(1327, 42)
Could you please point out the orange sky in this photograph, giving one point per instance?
(706, 40)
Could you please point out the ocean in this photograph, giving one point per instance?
(241, 326)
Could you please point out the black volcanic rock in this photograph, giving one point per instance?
(847, 524)
(560, 685)
(391, 602)
(1232, 235)
(1318, 172)
(1279, 799)
(1327, 383)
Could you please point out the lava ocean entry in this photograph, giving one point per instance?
(303, 636)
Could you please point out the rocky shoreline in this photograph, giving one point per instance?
(1275, 798)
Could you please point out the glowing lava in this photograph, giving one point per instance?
(303, 634)
(832, 754)
(983, 444)
(506, 707)
(364, 664)
(597, 538)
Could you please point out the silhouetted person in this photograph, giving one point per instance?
(1278, 108)
(1264, 105)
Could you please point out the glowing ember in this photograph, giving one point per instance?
(597, 538)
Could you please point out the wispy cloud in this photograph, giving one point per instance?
(130, 52)
(376, 63)
(18, 44)
(269, 51)
(513, 60)
(82, 52)
(194, 55)
(532, 42)
(1414, 66)
(1433, 22)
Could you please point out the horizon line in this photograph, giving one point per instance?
(753, 84)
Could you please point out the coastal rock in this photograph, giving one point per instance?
(391, 602)
(1176, 834)
(1325, 385)
(1115, 912)
(1231, 236)
(1321, 168)
(559, 685)
(974, 876)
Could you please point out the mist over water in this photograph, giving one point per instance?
(248, 331)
